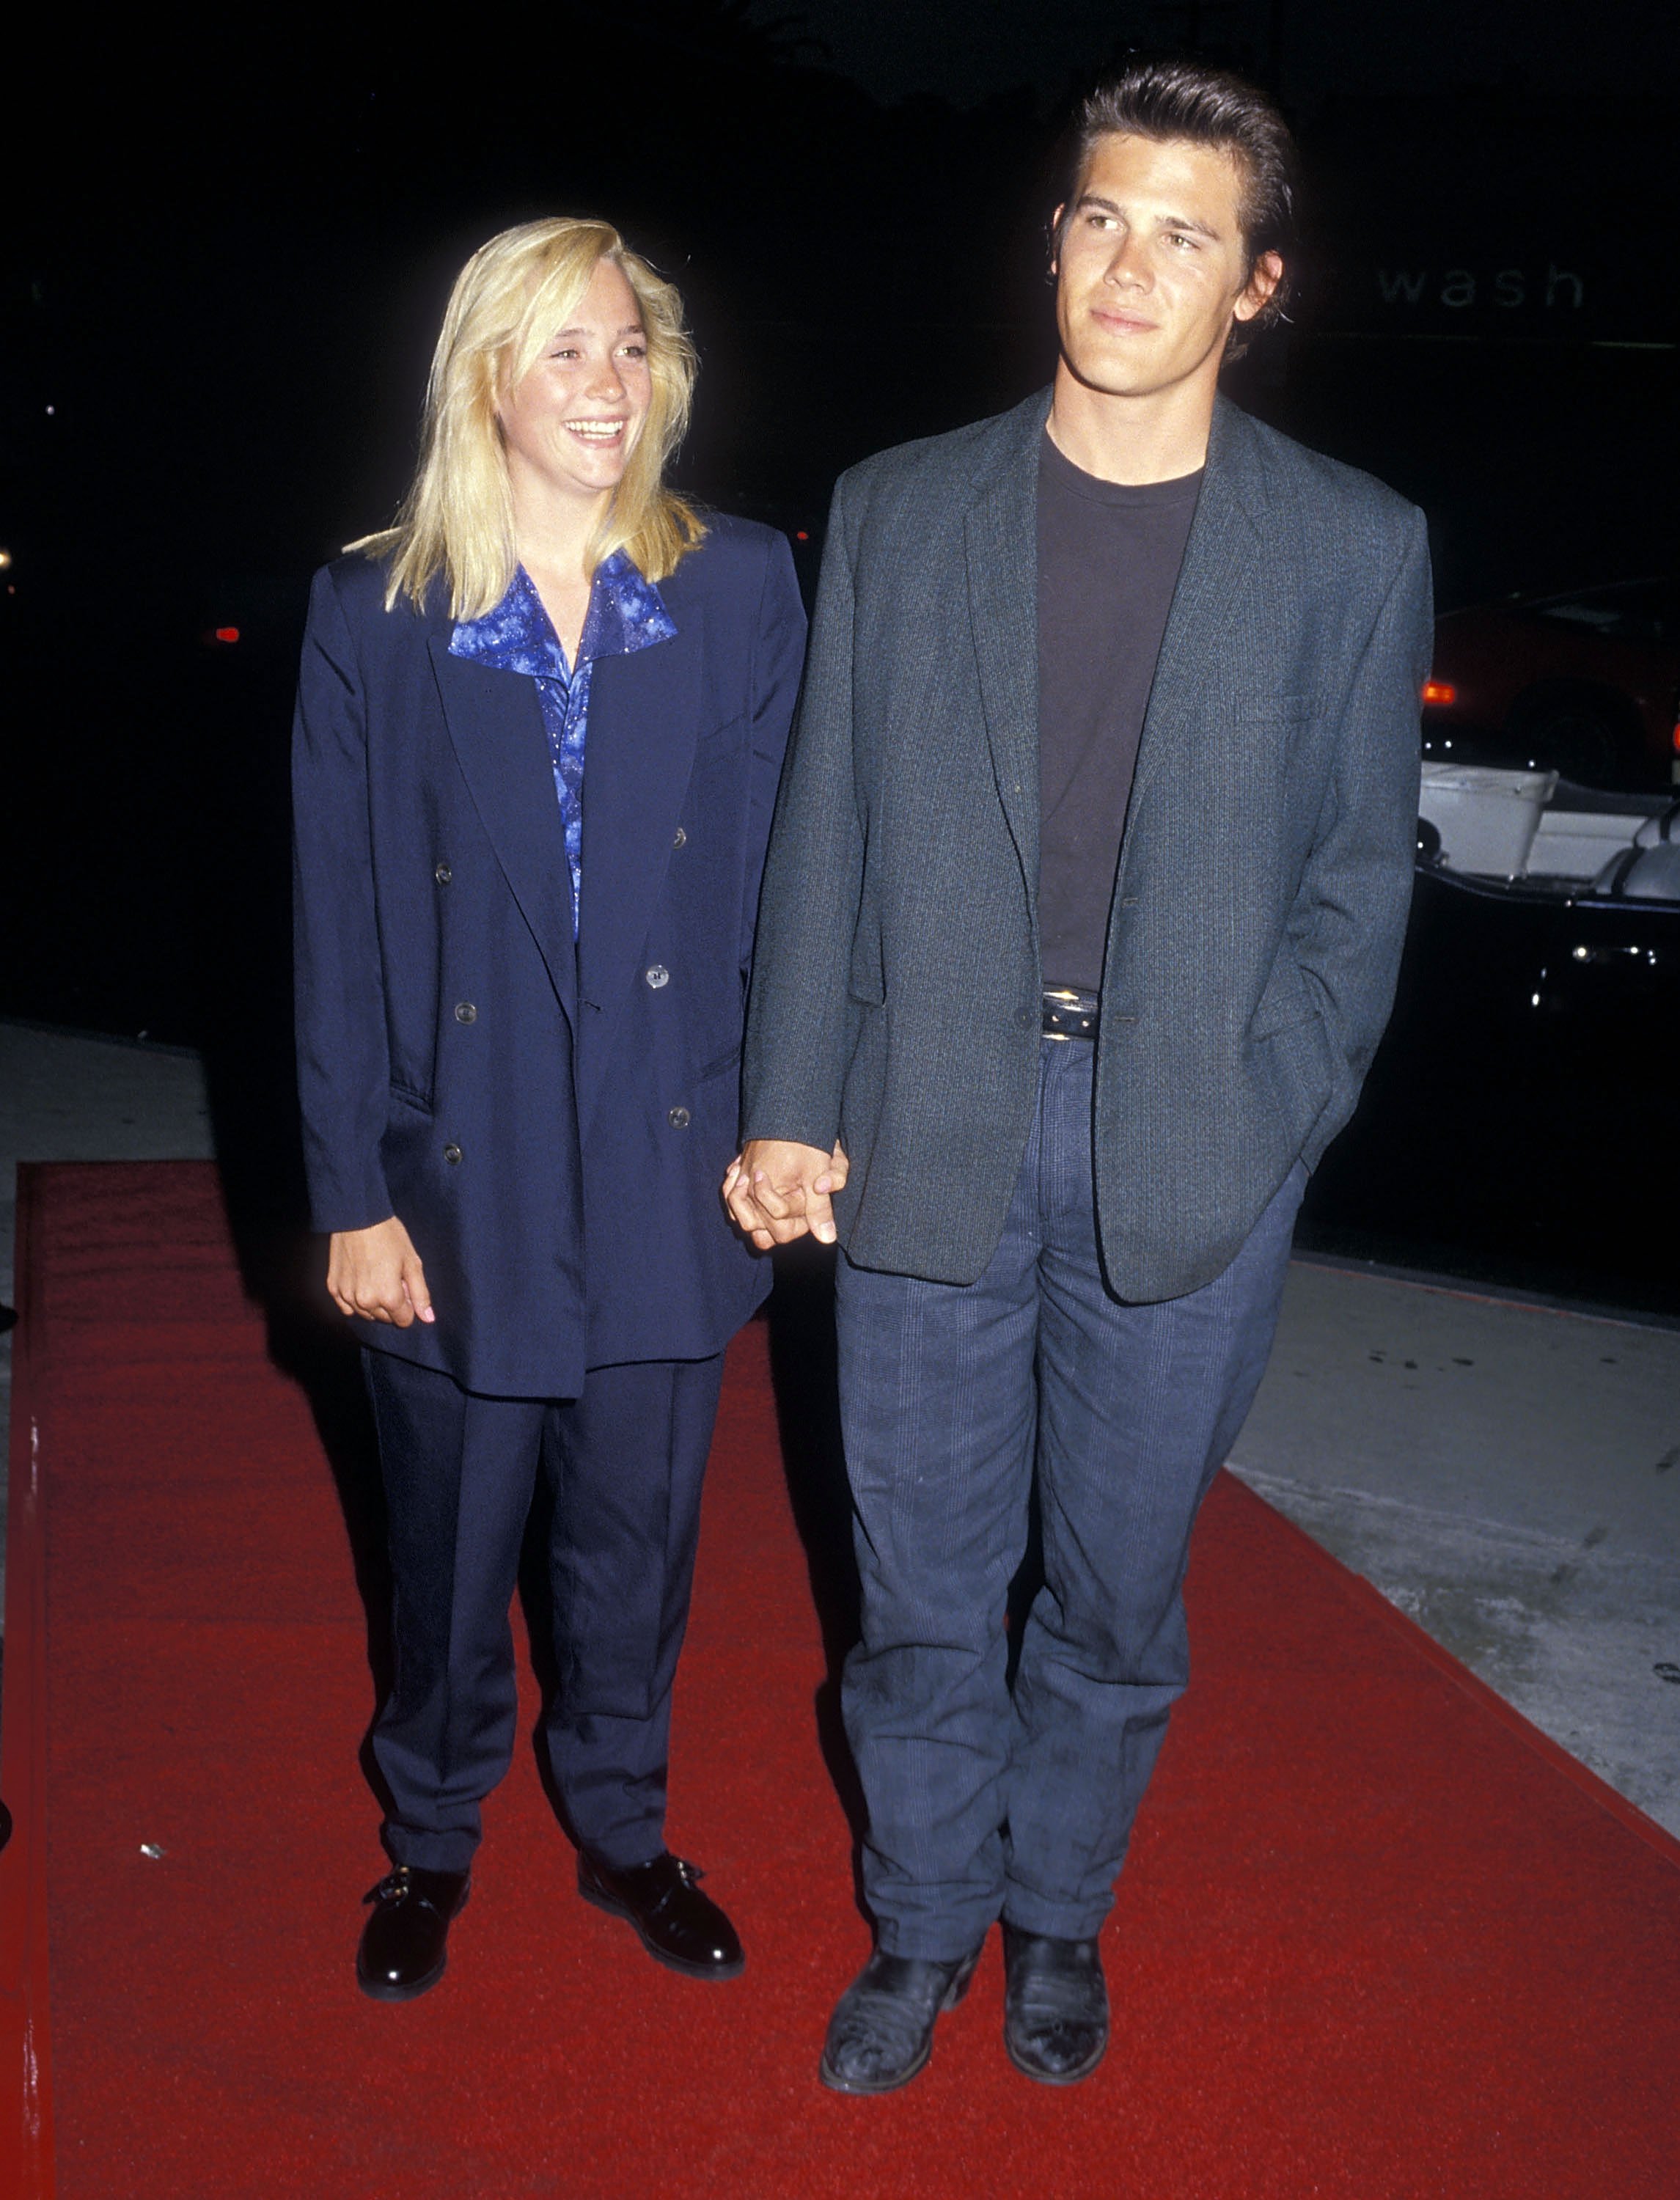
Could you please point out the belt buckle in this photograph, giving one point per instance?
(1064, 1000)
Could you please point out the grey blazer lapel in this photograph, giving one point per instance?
(495, 725)
(1222, 550)
(1000, 533)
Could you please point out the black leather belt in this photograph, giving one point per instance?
(1069, 1015)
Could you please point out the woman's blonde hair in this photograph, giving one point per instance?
(456, 522)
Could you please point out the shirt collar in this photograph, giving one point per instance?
(626, 613)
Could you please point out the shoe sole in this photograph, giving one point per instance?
(954, 1993)
(1054, 2077)
(688, 1970)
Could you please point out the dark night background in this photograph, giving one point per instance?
(226, 258)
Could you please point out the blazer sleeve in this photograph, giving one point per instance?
(799, 1022)
(778, 660)
(342, 1061)
(1350, 917)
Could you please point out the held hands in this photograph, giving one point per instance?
(377, 1273)
(776, 1190)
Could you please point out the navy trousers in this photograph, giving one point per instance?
(983, 1801)
(625, 1462)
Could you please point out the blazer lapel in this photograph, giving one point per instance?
(1222, 549)
(495, 725)
(638, 761)
(1001, 542)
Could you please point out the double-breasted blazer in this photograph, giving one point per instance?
(550, 1120)
(1264, 876)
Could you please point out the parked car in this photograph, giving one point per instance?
(1587, 684)
(1517, 1124)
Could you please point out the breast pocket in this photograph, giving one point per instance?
(1282, 714)
(1296, 710)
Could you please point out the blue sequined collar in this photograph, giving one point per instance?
(625, 613)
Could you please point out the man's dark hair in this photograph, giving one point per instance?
(1166, 97)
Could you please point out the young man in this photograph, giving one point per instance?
(1081, 925)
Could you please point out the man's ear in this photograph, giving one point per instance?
(1268, 272)
(1056, 243)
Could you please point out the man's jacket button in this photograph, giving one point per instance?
(443, 874)
(452, 1154)
(658, 976)
(678, 1119)
(679, 839)
(466, 1013)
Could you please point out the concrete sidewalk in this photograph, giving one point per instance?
(1507, 1474)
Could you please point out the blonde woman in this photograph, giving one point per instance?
(540, 726)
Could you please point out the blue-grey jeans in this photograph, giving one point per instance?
(982, 1800)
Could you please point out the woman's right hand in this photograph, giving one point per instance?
(377, 1273)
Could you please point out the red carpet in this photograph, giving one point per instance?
(1375, 1939)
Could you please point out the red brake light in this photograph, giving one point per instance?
(227, 634)
(1441, 693)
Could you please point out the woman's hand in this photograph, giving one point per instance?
(377, 1273)
(776, 1190)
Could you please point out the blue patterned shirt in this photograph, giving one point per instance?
(625, 613)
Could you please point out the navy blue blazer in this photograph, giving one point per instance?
(549, 1120)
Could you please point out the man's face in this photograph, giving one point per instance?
(1152, 266)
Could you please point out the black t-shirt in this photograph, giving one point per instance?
(1109, 559)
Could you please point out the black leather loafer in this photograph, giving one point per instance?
(402, 1949)
(881, 2032)
(1056, 2006)
(679, 1926)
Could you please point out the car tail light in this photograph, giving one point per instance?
(1441, 694)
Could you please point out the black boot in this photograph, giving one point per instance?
(881, 2032)
(1056, 2006)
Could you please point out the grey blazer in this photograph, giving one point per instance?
(1263, 882)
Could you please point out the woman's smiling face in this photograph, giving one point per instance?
(570, 423)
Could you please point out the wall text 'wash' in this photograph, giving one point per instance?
(1510, 287)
